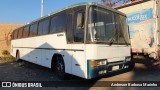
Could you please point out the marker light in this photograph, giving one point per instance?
(98, 63)
(93, 63)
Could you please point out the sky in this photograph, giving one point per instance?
(24, 11)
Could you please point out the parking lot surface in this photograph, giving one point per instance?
(25, 71)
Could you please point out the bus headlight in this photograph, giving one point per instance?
(128, 59)
(98, 63)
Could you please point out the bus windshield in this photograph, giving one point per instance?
(105, 26)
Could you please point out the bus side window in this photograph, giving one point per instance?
(43, 27)
(79, 26)
(58, 23)
(69, 28)
(26, 32)
(15, 34)
(12, 35)
(20, 33)
(33, 30)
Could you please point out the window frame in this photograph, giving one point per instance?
(49, 23)
(16, 33)
(73, 10)
(30, 29)
(12, 36)
(115, 30)
(28, 26)
(71, 13)
(20, 30)
(77, 9)
(57, 14)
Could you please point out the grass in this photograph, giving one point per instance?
(8, 57)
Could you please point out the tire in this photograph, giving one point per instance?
(131, 66)
(60, 69)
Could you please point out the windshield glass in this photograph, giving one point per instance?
(107, 27)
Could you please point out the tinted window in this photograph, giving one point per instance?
(12, 35)
(79, 31)
(15, 34)
(20, 33)
(58, 23)
(43, 27)
(33, 30)
(69, 28)
(26, 31)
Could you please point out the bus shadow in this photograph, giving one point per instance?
(148, 62)
(43, 55)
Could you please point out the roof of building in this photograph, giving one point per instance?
(133, 2)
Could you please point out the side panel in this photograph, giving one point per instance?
(158, 26)
(142, 27)
(40, 49)
(142, 30)
(158, 18)
(78, 60)
(137, 7)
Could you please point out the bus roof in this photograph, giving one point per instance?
(75, 5)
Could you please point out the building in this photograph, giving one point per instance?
(144, 26)
(5, 35)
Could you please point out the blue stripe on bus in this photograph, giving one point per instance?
(93, 72)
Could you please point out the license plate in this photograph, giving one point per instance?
(115, 67)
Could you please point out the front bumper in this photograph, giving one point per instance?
(98, 71)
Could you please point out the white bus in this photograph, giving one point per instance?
(87, 40)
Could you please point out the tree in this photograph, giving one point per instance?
(112, 3)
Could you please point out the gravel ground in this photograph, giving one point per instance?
(5, 61)
(25, 71)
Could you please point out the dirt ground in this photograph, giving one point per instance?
(13, 71)
(5, 61)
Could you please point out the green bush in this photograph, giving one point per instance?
(7, 58)
(5, 52)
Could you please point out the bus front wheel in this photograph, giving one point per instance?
(131, 66)
(60, 68)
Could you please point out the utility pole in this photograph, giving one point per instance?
(42, 2)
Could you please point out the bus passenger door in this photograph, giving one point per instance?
(78, 55)
(68, 56)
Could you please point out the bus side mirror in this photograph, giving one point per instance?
(80, 20)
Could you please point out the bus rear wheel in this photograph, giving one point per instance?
(60, 69)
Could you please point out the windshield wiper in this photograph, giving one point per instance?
(113, 39)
